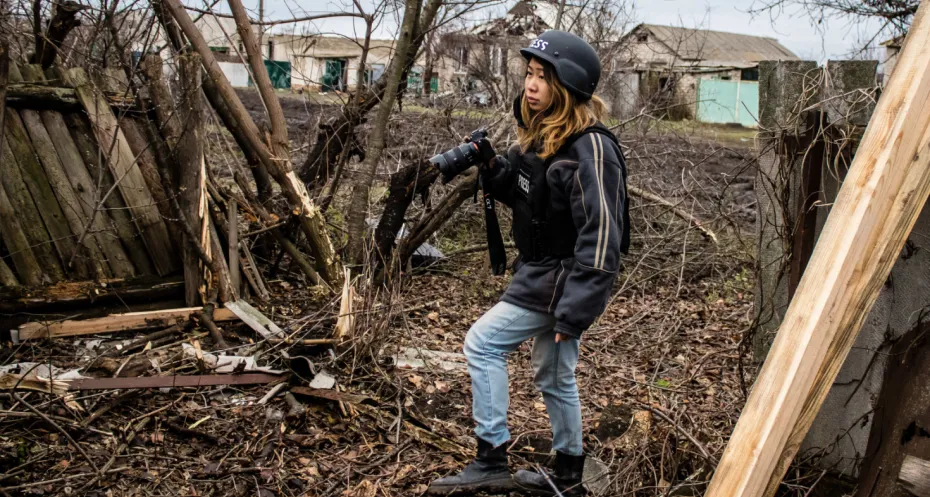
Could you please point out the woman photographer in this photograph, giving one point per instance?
(565, 182)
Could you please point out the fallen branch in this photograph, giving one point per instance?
(652, 197)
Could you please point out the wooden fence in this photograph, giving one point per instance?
(80, 194)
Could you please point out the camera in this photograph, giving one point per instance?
(476, 150)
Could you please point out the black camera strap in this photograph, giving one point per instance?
(495, 241)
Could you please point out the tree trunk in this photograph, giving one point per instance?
(223, 110)
(63, 22)
(406, 184)
(188, 148)
(278, 166)
(437, 217)
(358, 210)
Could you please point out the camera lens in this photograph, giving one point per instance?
(456, 160)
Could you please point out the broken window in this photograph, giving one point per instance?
(497, 60)
(751, 74)
(461, 60)
(373, 73)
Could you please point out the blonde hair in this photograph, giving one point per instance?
(548, 129)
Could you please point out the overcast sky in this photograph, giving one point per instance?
(793, 28)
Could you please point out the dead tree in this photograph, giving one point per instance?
(275, 158)
(358, 210)
(62, 23)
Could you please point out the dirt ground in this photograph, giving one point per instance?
(662, 374)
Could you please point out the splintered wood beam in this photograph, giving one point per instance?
(915, 476)
(115, 322)
(878, 204)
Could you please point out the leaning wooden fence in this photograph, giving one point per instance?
(80, 195)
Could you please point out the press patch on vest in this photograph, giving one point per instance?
(523, 182)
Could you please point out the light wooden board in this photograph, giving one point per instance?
(255, 319)
(115, 322)
(878, 204)
(126, 173)
(915, 476)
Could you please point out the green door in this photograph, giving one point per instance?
(415, 81)
(727, 102)
(280, 73)
(332, 75)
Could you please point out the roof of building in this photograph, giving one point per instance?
(531, 17)
(331, 46)
(717, 48)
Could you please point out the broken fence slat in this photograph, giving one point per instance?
(255, 319)
(114, 323)
(173, 381)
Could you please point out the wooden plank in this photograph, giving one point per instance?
(915, 476)
(255, 319)
(122, 164)
(878, 204)
(64, 297)
(233, 242)
(72, 164)
(77, 220)
(103, 182)
(115, 322)
(31, 221)
(173, 381)
(188, 148)
(83, 186)
(21, 254)
(252, 273)
(7, 278)
(145, 160)
(42, 195)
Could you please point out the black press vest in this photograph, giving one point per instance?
(540, 231)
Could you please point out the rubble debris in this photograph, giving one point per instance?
(417, 358)
(323, 381)
(226, 363)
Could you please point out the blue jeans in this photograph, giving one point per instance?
(499, 332)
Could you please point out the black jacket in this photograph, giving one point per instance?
(587, 179)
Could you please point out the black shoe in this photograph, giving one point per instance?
(566, 476)
(487, 473)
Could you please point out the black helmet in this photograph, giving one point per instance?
(575, 62)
